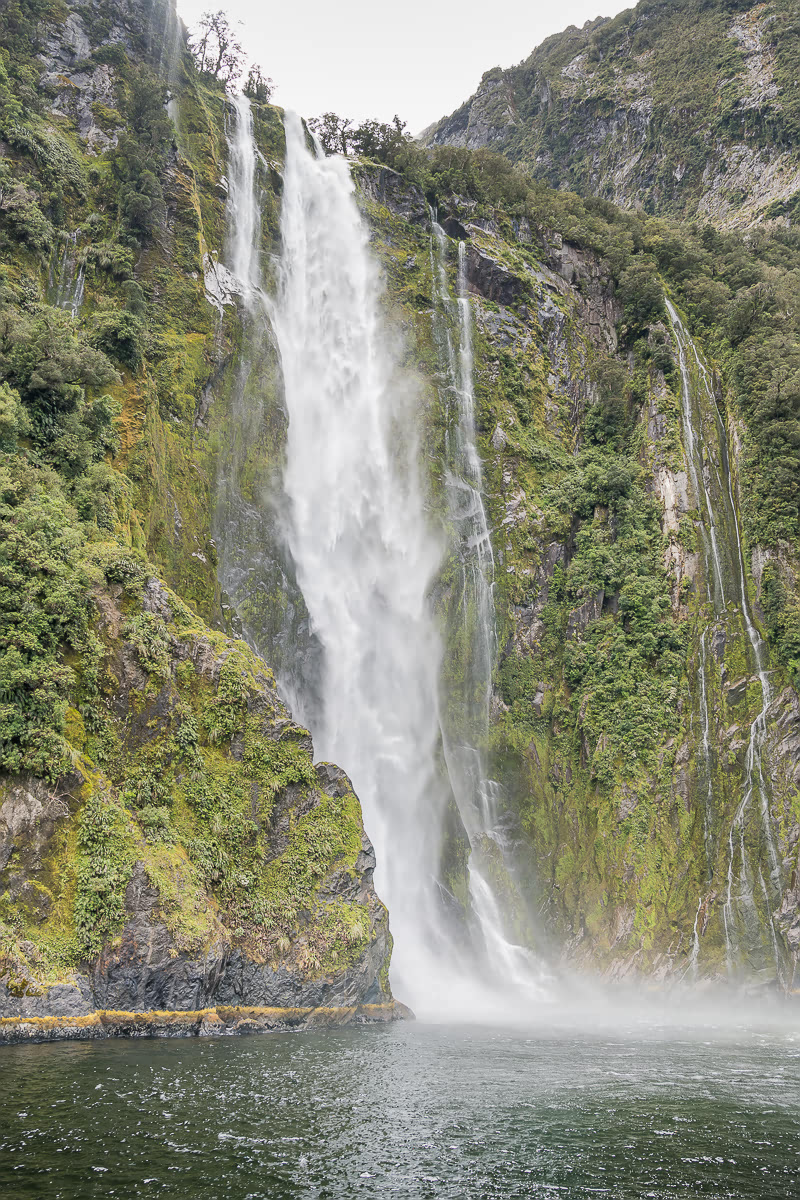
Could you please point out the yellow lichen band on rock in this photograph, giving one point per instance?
(110, 1023)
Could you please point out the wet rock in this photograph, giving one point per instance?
(736, 692)
(499, 440)
(489, 278)
(788, 915)
(19, 996)
(144, 969)
(212, 1025)
(384, 186)
(628, 804)
(30, 812)
(786, 708)
(454, 229)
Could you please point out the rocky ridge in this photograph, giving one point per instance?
(634, 110)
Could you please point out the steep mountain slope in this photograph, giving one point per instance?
(626, 728)
(682, 107)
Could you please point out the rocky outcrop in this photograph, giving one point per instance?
(219, 1021)
(81, 85)
(186, 937)
(387, 188)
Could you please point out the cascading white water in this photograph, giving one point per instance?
(365, 558)
(244, 214)
(66, 279)
(362, 547)
(739, 903)
(705, 715)
(694, 462)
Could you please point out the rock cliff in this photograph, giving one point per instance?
(171, 857)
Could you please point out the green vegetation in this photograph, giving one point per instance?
(106, 854)
(597, 671)
(44, 608)
(742, 295)
(167, 736)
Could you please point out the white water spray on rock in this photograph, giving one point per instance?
(465, 745)
(244, 210)
(66, 280)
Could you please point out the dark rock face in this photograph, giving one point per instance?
(489, 278)
(145, 971)
(161, 959)
(384, 186)
(62, 1000)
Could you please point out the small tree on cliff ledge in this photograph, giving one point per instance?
(216, 49)
(258, 87)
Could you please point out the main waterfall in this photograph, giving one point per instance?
(364, 550)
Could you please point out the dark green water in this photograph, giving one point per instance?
(408, 1111)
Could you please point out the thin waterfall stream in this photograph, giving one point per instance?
(741, 920)
(66, 278)
(465, 747)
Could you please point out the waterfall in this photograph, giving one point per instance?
(165, 37)
(66, 278)
(739, 907)
(465, 735)
(705, 714)
(243, 209)
(366, 555)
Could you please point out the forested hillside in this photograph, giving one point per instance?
(162, 821)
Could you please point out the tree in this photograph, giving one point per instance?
(258, 87)
(216, 49)
(371, 139)
(333, 132)
(641, 293)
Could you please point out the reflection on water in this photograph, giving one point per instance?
(406, 1111)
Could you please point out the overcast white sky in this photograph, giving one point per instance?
(371, 58)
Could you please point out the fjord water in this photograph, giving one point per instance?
(405, 1112)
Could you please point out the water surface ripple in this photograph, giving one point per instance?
(406, 1111)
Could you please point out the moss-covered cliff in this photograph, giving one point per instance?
(625, 689)
(166, 840)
